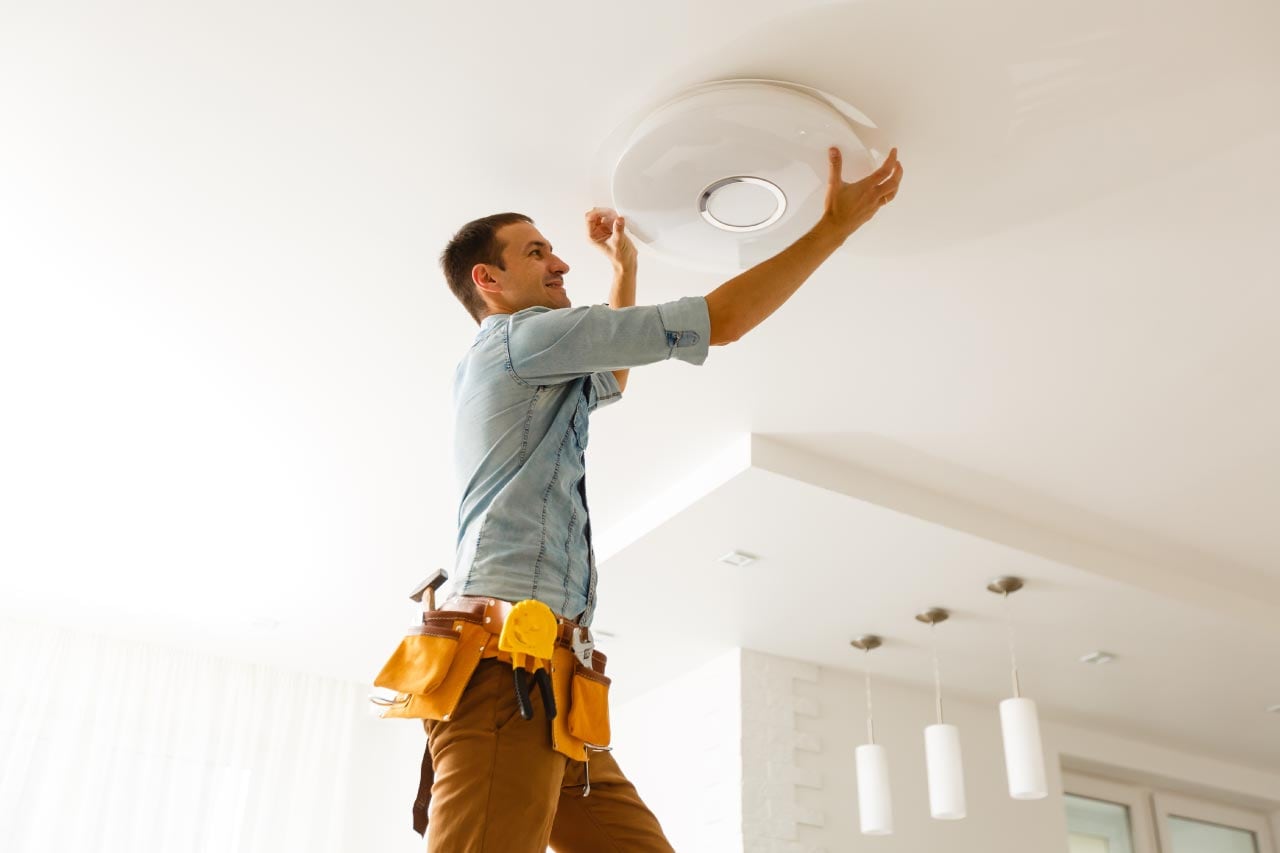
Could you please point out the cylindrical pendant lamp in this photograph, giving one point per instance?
(1023, 753)
(875, 803)
(942, 744)
(946, 772)
(1019, 722)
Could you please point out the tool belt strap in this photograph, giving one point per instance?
(491, 614)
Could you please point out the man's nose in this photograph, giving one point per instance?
(558, 266)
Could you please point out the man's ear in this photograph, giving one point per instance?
(484, 280)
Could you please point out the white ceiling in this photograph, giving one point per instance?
(227, 350)
(843, 553)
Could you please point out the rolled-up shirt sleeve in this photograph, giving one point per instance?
(548, 347)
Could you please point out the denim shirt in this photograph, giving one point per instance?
(522, 396)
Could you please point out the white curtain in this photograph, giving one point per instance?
(122, 747)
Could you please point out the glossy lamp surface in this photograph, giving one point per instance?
(728, 174)
(875, 806)
(1023, 752)
(946, 772)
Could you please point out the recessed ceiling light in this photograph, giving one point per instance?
(738, 558)
(1275, 709)
(1098, 657)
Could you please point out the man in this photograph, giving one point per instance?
(523, 394)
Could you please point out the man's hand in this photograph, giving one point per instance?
(607, 230)
(849, 206)
(744, 301)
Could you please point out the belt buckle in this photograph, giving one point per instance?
(583, 645)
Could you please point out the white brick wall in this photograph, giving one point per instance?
(781, 780)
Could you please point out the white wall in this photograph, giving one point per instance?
(681, 746)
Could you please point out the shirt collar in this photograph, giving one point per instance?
(492, 320)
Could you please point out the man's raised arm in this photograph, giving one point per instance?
(743, 302)
(608, 231)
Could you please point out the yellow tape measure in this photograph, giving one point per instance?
(529, 633)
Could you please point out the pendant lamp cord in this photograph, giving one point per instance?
(1013, 657)
(937, 672)
(871, 727)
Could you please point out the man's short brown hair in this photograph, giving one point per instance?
(475, 243)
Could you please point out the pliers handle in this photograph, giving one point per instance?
(543, 680)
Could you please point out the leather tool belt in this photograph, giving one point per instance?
(432, 665)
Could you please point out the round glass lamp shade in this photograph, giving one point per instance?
(728, 174)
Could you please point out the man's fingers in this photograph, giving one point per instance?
(893, 179)
(890, 184)
(879, 187)
(599, 215)
(889, 188)
(881, 176)
(887, 167)
(837, 164)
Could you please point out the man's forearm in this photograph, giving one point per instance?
(623, 295)
(743, 302)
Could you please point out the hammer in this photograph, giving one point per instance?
(428, 588)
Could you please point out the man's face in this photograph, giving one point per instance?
(533, 275)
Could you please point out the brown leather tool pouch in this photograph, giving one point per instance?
(589, 706)
(430, 669)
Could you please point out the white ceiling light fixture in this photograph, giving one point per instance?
(729, 173)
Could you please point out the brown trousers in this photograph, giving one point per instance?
(500, 788)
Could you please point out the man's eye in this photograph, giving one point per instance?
(537, 252)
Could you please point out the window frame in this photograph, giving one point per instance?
(1165, 805)
(1134, 798)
